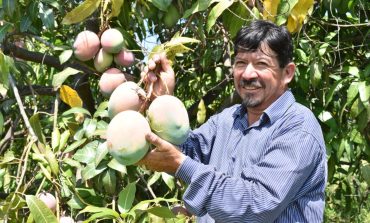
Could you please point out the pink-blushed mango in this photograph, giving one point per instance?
(102, 60)
(49, 200)
(110, 80)
(126, 137)
(124, 58)
(127, 96)
(86, 45)
(112, 40)
(169, 119)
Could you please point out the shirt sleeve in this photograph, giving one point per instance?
(200, 141)
(263, 190)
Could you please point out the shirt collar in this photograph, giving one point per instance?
(275, 110)
(280, 106)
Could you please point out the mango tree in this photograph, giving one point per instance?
(60, 62)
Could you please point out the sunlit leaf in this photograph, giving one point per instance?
(101, 152)
(37, 128)
(90, 170)
(284, 9)
(126, 198)
(65, 55)
(116, 8)
(70, 96)
(234, 18)
(1, 123)
(198, 6)
(365, 172)
(109, 181)
(81, 12)
(114, 164)
(87, 153)
(168, 180)
(270, 9)
(154, 178)
(298, 15)
(216, 12)
(74, 145)
(59, 78)
(40, 212)
(364, 90)
(201, 113)
(163, 212)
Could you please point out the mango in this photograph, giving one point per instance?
(124, 58)
(102, 60)
(112, 40)
(86, 45)
(127, 96)
(169, 119)
(110, 80)
(126, 137)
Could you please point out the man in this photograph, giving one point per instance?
(261, 161)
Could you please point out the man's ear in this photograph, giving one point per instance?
(289, 71)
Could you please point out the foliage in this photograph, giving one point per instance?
(49, 142)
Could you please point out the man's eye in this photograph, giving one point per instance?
(262, 63)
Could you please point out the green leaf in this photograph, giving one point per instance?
(199, 6)
(126, 198)
(9, 7)
(109, 181)
(114, 164)
(235, 18)
(101, 152)
(37, 128)
(93, 209)
(201, 113)
(74, 145)
(25, 23)
(81, 12)
(334, 88)
(315, 73)
(352, 91)
(163, 212)
(75, 203)
(6, 26)
(89, 127)
(47, 16)
(8, 157)
(354, 71)
(101, 111)
(364, 91)
(284, 9)
(91, 170)
(40, 212)
(322, 48)
(75, 110)
(1, 123)
(357, 108)
(87, 153)
(154, 178)
(59, 78)
(55, 138)
(365, 172)
(116, 8)
(216, 12)
(161, 4)
(65, 55)
(169, 180)
(64, 139)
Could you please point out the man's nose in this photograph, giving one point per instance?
(249, 72)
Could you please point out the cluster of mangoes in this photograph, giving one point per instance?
(104, 50)
(134, 110)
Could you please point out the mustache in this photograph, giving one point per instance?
(251, 83)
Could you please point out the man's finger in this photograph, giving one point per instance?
(154, 139)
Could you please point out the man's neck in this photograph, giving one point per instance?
(253, 115)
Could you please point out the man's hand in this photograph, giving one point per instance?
(158, 76)
(164, 158)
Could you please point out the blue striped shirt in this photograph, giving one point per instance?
(272, 171)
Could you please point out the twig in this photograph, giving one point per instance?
(21, 108)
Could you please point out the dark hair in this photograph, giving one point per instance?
(249, 39)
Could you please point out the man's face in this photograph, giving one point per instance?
(258, 78)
